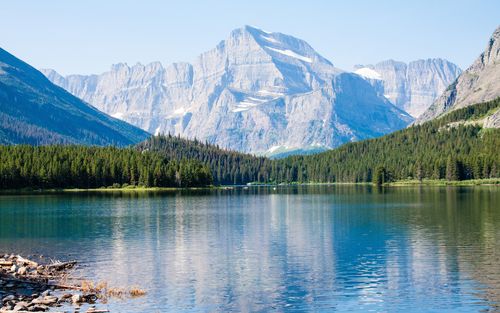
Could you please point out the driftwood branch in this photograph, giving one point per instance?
(60, 265)
(22, 260)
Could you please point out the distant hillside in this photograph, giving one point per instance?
(479, 83)
(227, 167)
(35, 111)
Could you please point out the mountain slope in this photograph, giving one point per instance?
(227, 167)
(35, 111)
(480, 82)
(255, 92)
(412, 87)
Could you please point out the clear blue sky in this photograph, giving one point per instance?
(88, 36)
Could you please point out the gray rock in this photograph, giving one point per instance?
(8, 298)
(38, 308)
(7, 307)
(76, 298)
(22, 270)
(254, 92)
(479, 83)
(412, 87)
(45, 300)
(21, 306)
(492, 121)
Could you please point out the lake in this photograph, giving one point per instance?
(284, 249)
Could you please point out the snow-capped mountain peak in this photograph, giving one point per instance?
(253, 91)
(280, 46)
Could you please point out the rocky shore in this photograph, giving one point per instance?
(41, 286)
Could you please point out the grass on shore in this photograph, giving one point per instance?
(399, 183)
(443, 182)
(101, 189)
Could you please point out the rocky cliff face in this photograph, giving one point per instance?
(479, 83)
(412, 87)
(254, 92)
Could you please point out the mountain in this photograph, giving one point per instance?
(35, 111)
(254, 92)
(458, 146)
(480, 82)
(412, 87)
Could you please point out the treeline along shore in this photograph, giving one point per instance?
(93, 167)
(454, 147)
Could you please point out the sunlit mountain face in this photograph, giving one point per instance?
(256, 91)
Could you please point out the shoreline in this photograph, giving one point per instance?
(399, 183)
(29, 285)
(443, 182)
(103, 190)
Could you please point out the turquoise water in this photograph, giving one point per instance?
(293, 249)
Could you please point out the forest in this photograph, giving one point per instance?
(62, 166)
(227, 167)
(444, 148)
(453, 147)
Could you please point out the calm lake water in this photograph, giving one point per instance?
(293, 249)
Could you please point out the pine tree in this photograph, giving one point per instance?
(379, 175)
(451, 169)
(419, 171)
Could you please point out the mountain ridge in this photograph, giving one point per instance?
(34, 110)
(411, 86)
(479, 83)
(255, 90)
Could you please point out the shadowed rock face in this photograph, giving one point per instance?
(35, 111)
(254, 92)
(479, 83)
(412, 87)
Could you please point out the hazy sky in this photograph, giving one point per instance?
(88, 36)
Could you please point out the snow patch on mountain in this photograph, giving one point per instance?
(368, 73)
(247, 94)
(118, 115)
(270, 39)
(269, 92)
(292, 54)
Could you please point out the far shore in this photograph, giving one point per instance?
(102, 189)
(443, 182)
(399, 183)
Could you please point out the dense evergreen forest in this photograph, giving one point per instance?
(453, 147)
(446, 148)
(93, 167)
(228, 167)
